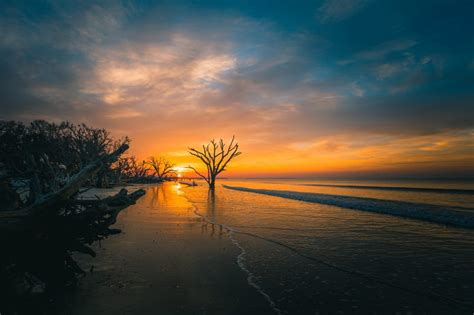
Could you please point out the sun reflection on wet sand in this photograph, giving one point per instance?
(167, 260)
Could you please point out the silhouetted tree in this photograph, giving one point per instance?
(216, 156)
(42, 221)
(162, 167)
(40, 157)
(130, 169)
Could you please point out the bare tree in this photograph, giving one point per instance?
(40, 157)
(216, 156)
(162, 167)
(128, 168)
(136, 169)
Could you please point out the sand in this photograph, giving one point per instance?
(166, 261)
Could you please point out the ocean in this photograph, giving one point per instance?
(358, 246)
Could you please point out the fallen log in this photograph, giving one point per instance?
(50, 203)
(110, 206)
(41, 247)
(37, 241)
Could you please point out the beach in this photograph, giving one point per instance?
(186, 250)
(166, 261)
(236, 157)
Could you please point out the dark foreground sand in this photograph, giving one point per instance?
(166, 261)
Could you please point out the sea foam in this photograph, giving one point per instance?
(405, 189)
(456, 216)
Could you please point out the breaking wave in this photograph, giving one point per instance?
(456, 216)
(395, 188)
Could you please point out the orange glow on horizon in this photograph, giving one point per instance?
(322, 157)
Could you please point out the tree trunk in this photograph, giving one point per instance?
(212, 182)
(50, 203)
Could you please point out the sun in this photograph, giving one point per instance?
(179, 170)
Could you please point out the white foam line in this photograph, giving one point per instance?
(455, 216)
(240, 260)
(250, 275)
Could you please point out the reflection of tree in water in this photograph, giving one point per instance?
(159, 195)
(211, 204)
(210, 215)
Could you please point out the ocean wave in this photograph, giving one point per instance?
(396, 188)
(251, 278)
(456, 216)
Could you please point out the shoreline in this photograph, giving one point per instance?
(182, 252)
(240, 259)
(166, 260)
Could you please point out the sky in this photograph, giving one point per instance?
(331, 88)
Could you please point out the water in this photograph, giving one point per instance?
(308, 257)
(166, 261)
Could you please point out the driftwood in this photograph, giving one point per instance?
(49, 203)
(109, 207)
(37, 254)
(188, 183)
(37, 241)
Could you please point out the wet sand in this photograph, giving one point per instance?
(166, 261)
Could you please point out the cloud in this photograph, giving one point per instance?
(46, 58)
(337, 10)
(184, 74)
(357, 90)
(170, 83)
(385, 48)
(402, 115)
(379, 51)
(387, 70)
(124, 113)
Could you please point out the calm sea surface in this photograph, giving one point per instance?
(328, 246)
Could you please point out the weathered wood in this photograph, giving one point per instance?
(107, 209)
(38, 238)
(126, 200)
(50, 203)
(44, 245)
(111, 205)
